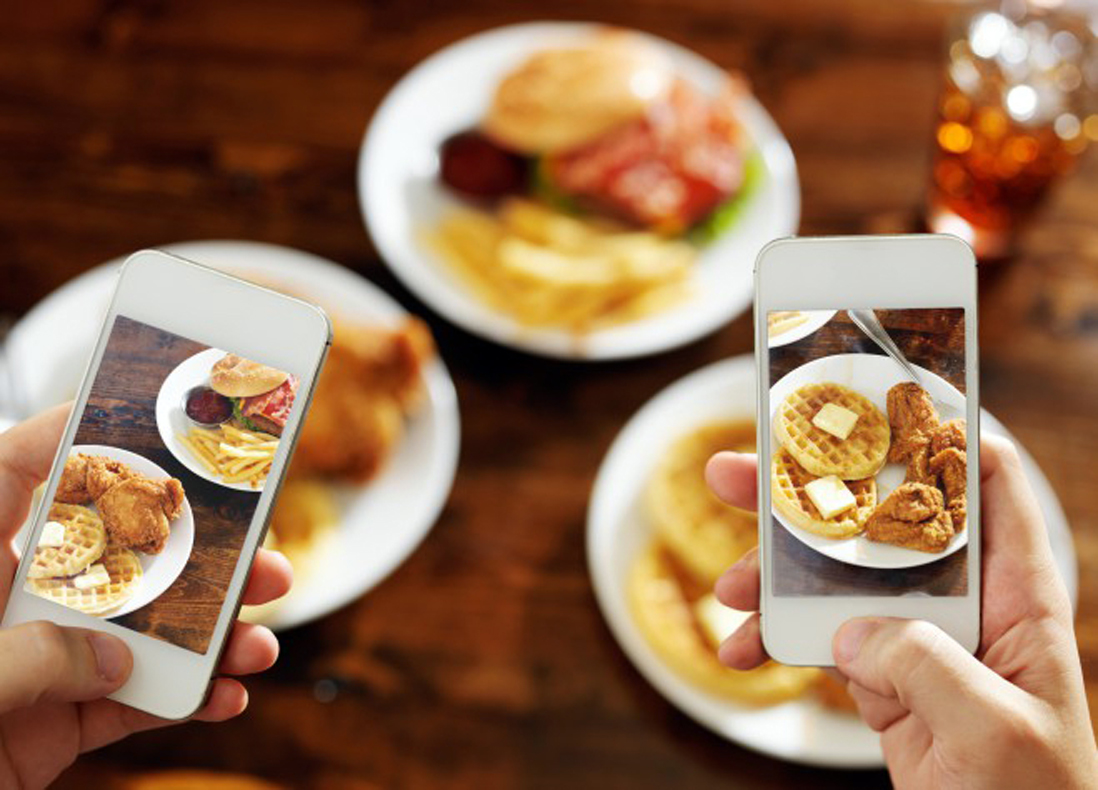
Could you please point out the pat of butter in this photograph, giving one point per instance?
(830, 496)
(836, 420)
(717, 620)
(95, 576)
(53, 535)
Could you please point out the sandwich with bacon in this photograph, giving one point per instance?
(261, 396)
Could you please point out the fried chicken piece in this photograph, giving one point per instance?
(918, 464)
(137, 512)
(104, 473)
(912, 417)
(951, 467)
(913, 517)
(351, 437)
(949, 434)
(911, 502)
(72, 488)
(372, 378)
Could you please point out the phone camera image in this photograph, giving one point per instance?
(161, 483)
(868, 435)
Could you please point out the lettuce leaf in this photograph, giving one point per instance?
(724, 216)
(238, 415)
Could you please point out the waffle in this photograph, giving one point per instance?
(787, 482)
(125, 572)
(860, 455)
(779, 321)
(703, 533)
(664, 612)
(85, 542)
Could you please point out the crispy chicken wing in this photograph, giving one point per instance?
(137, 511)
(72, 488)
(951, 467)
(912, 417)
(913, 516)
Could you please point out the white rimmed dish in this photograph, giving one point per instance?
(171, 420)
(382, 522)
(400, 196)
(870, 375)
(801, 731)
(816, 319)
(159, 571)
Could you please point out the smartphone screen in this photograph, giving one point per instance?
(869, 464)
(161, 484)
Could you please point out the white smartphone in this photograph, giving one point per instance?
(868, 426)
(161, 490)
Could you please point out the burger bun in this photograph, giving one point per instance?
(561, 98)
(236, 377)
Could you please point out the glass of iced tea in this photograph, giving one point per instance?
(1016, 110)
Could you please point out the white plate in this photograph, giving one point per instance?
(801, 731)
(382, 522)
(816, 319)
(160, 570)
(448, 92)
(171, 420)
(870, 375)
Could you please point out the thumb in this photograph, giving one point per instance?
(923, 669)
(41, 661)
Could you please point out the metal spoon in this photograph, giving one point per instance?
(866, 320)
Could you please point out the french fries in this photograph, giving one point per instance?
(236, 455)
(547, 268)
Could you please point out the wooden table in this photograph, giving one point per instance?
(121, 412)
(483, 662)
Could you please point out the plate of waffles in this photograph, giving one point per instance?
(630, 509)
(90, 545)
(804, 453)
(787, 326)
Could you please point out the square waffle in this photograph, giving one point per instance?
(85, 542)
(125, 572)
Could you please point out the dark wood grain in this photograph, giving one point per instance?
(931, 338)
(121, 412)
(483, 661)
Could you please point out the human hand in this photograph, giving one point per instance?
(53, 679)
(1013, 716)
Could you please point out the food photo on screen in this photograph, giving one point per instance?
(159, 489)
(868, 471)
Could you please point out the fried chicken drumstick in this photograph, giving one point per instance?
(930, 507)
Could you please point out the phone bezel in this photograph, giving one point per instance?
(222, 311)
(846, 272)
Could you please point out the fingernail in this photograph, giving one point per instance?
(848, 642)
(112, 657)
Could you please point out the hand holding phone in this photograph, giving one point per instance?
(159, 496)
(1015, 717)
(53, 680)
(868, 418)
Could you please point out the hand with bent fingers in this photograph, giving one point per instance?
(1013, 716)
(53, 679)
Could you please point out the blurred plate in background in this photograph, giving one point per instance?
(449, 92)
(381, 522)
